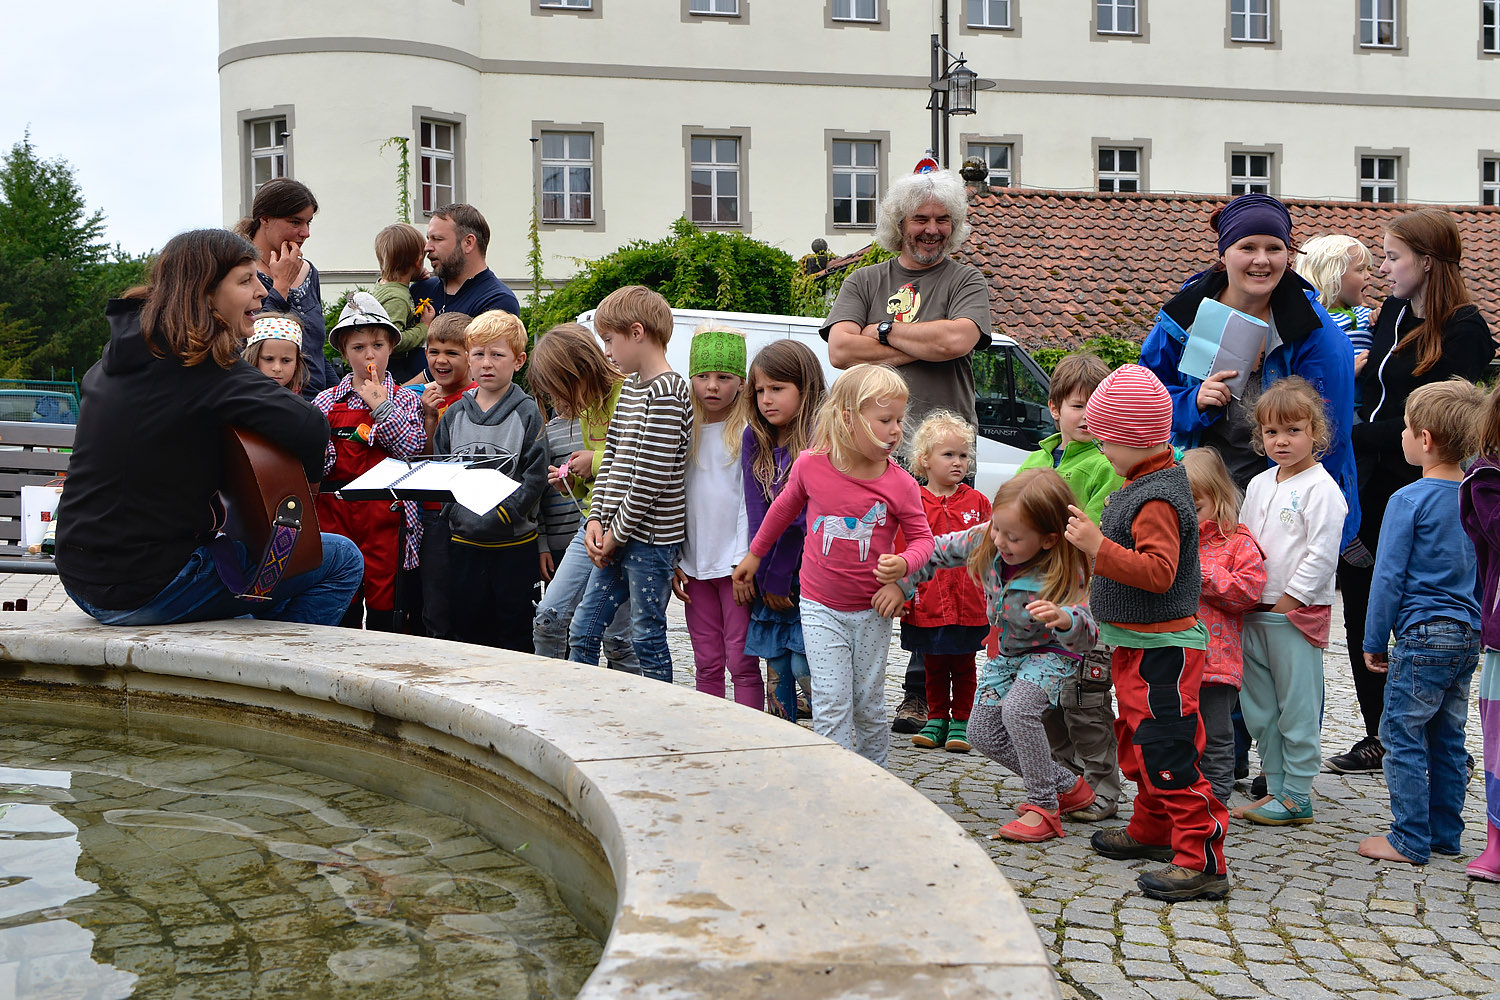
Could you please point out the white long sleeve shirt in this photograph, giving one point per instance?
(1299, 523)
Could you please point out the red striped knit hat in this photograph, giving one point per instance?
(1130, 407)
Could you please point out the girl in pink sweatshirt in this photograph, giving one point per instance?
(855, 497)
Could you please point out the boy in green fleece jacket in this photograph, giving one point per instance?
(1082, 728)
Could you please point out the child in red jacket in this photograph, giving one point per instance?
(945, 621)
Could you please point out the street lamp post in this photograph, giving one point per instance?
(953, 88)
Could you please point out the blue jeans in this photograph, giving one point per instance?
(196, 594)
(554, 613)
(1422, 727)
(641, 574)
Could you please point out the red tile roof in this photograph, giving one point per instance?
(1066, 266)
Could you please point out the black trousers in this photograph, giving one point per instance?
(492, 593)
(1369, 688)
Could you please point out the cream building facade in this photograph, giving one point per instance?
(785, 119)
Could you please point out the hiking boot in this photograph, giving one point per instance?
(911, 716)
(1176, 884)
(1121, 846)
(1365, 756)
(934, 734)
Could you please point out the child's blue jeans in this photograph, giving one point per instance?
(1422, 728)
(642, 574)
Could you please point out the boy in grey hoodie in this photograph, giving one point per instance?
(492, 569)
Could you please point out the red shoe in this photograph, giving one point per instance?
(1080, 797)
(1016, 830)
(1479, 870)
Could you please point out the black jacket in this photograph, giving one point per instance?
(147, 461)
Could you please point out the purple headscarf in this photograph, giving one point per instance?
(1252, 215)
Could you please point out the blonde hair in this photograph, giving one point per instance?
(1324, 261)
(252, 353)
(733, 424)
(938, 427)
(795, 364)
(449, 328)
(398, 249)
(860, 385)
(1293, 398)
(1209, 478)
(636, 304)
(1041, 497)
(496, 325)
(569, 369)
(1446, 410)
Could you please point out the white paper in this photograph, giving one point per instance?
(38, 507)
(482, 490)
(1223, 339)
(479, 490)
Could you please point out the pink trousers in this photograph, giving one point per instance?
(717, 626)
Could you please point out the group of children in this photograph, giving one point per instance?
(775, 508)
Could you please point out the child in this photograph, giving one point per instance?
(1296, 512)
(400, 249)
(787, 390)
(717, 528)
(1423, 591)
(1034, 586)
(448, 364)
(639, 514)
(1339, 268)
(371, 418)
(276, 349)
(945, 620)
(855, 496)
(1233, 575)
(492, 572)
(1081, 729)
(1145, 597)
(581, 386)
(1479, 506)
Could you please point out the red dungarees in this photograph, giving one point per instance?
(371, 524)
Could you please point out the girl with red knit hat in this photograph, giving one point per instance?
(1145, 597)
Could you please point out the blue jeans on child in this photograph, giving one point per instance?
(1422, 728)
(642, 574)
(196, 594)
(554, 614)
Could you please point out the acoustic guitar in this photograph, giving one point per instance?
(268, 508)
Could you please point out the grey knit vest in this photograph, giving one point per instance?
(1112, 601)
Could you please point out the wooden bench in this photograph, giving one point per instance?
(29, 456)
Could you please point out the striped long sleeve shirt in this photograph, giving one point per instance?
(639, 493)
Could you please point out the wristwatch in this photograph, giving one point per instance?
(883, 331)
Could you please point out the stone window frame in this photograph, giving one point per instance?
(882, 140)
(1401, 155)
(247, 119)
(1011, 30)
(742, 135)
(1398, 8)
(596, 180)
(1272, 42)
(460, 124)
(547, 8)
(741, 14)
(1141, 34)
(967, 139)
(1143, 162)
(1271, 149)
(882, 20)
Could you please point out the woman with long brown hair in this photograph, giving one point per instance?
(1429, 330)
(137, 518)
(279, 223)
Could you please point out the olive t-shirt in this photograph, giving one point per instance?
(947, 290)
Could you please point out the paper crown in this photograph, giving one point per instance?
(276, 328)
(717, 350)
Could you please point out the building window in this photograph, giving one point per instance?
(1489, 182)
(989, 13)
(715, 189)
(856, 10)
(267, 146)
(997, 156)
(726, 8)
(1378, 24)
(1117, 17)
(1119, 169)
(567, 4)
(438, 153)
(1249, 172)
(1379, 178)
(567, 176)
(856, 182)
(1250, 20)
(1489, 16)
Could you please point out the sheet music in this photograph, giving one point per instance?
(479, 490)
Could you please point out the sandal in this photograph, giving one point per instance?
(1016, 830)
(1080, 796)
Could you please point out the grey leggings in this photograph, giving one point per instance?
(1012, 735)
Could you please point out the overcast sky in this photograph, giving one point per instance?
(128, 93)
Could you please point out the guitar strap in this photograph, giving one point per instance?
(265, 573)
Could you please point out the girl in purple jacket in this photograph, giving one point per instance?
(1479, 506)
(786, 389)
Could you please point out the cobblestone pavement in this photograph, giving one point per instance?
(1308, 918)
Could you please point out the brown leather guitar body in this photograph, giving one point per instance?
(267, 502)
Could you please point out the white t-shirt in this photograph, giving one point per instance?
(1299, 524)
(718, 533)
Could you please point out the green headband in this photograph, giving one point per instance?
(717, 351)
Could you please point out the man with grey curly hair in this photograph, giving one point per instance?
(923, 313)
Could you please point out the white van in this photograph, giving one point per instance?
(1010, 389)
